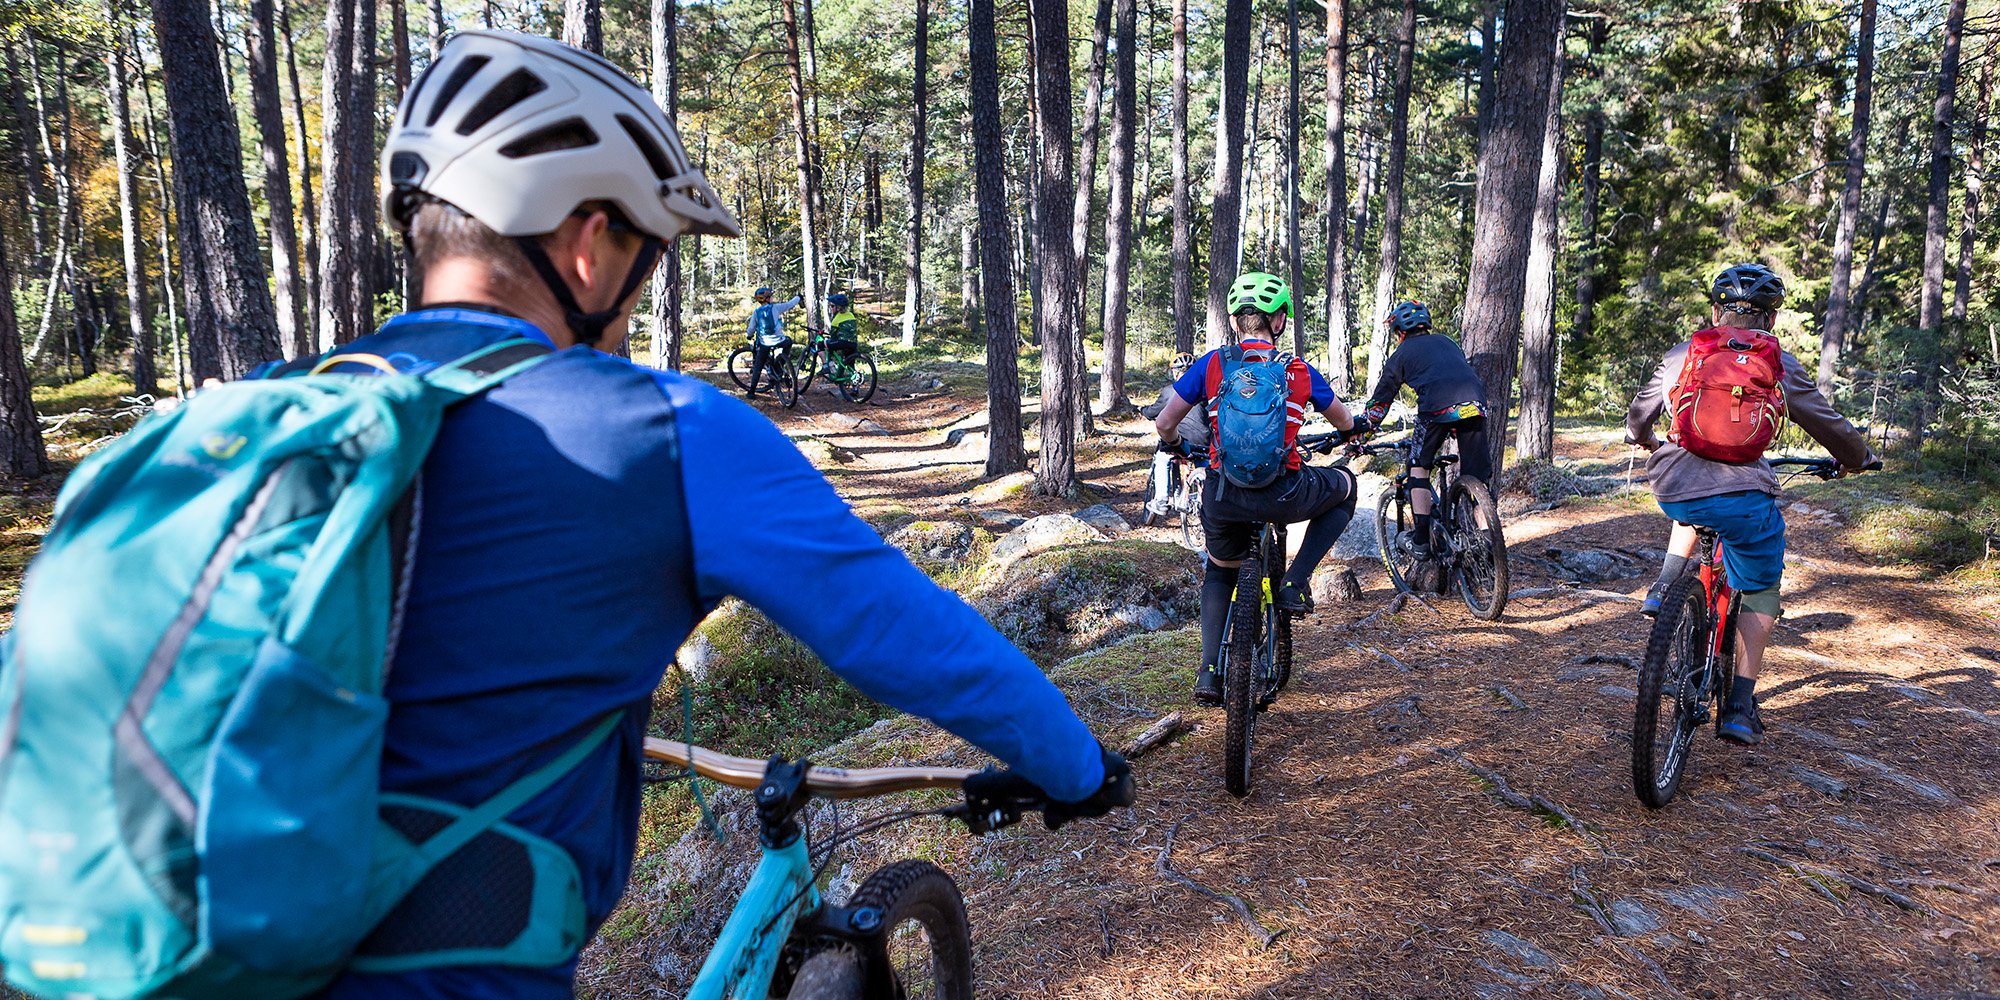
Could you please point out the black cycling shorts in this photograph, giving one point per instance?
(1473, 458)
(1231, 515)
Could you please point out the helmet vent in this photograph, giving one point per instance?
(656, 157)
(410, 106)
(452, 85)
(518, 86)
(570, 133)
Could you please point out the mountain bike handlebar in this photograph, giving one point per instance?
(1820, 468)
(825, 782)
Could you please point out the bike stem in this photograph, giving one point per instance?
(780, 799)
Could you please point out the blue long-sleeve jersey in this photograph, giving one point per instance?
(548, 592)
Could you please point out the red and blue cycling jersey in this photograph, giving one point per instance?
(1308, 390)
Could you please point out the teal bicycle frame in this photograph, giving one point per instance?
(745, 957)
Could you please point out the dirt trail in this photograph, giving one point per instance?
(1856, 853)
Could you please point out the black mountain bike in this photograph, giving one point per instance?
(777, 376)
(1467, 545)
(1691, 659)
(1255, 662)
(855, 379)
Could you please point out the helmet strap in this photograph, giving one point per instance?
(589, 327)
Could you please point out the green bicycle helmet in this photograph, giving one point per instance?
(1267, 293)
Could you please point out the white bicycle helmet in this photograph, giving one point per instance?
(516, 131)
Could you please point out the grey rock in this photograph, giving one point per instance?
(1701, 900)
(1103, 518)
(937, 541)
(1335, 584)
(1039, 534)
(867, 426)
(1519, 950)
(1825, 784)
(1618, 691)
(1590, 565)
(1152, 619)
(1632, 918)
(695, 657)
(995, 490)
(998, 521)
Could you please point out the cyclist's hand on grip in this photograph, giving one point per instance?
(1116, 792)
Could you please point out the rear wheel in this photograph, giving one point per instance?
(859, 384)
(1392, 521)
(926, 943)
(1481, 553)
(1278, 625)
(1240, 687)
(1664, 722)
(1190, 501)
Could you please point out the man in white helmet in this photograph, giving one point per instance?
(580, 519)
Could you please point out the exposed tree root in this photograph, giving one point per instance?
(1817, 876)
(1526, 803)
(1167, 871)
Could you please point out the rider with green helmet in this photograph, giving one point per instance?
(843, 334)
(1260, 307)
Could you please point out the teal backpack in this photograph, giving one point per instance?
(1250, 418)
(192, 710)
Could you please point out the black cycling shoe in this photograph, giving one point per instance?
(1208, 686)
(1741, 725)
(1650, 607)
(1292, 600)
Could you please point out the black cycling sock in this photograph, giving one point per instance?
(1672, 568)
(1218, 585)
(1316, 543)
(1423, 529)
(1742, 692)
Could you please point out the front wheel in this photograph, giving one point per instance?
(1481, 551)
(1190, 504)
(809, 363)
(787, 383)
(1240, 687)
(858, 383)
(1670, 697)
(1392, 523)
(925, 942)
(740, 361)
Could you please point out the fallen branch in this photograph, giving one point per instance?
(1104, 926)
(1165, 867)
(1658, 973)
(1511, 698)
(1395, 605)
(1155, 736)
(1526, 803)
(1622, 661)
(1384, 657)
(1817, 875)
(1938, 883)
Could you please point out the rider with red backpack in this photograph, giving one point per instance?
(1258, 397)
(1727, 391)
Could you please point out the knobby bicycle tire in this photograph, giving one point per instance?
(809, 363)
(1487, 548)
(1191, 530)
(787, 384)
(861, 371)
(904, 893)
(1147, 516)
(1389, 527)
(1239, 681)
(1675, 652)
(739, 366)
(1279, 623)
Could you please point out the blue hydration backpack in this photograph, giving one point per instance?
(192, 710)
(1250, 417)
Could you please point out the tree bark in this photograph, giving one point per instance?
(1340, 336)
(802, 151)
(1975, 166)
(347, 210)
(1839, 303)
(31, 168)
(583, 25)
(1086, 162)
(308, 210)
(167, 214)
(1931, 315)
(1004, 451)
(1537, 435)
(913, 236)
(1061, 340)
(1591, 181)
(1506, 203)
(667, 331)
(1182, 305)
(1293, 250)
(968, 277)
(438, 27)
(1489, 54)
(266, 105)
(22, 454)
(1225, 235)
(232, 327)
(1392, 194)
(145, 375)
(1111, 393)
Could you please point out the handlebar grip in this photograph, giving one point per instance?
(1874, 466)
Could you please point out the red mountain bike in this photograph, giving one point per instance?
(1691, 659)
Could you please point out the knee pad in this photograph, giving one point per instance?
(1764, 602)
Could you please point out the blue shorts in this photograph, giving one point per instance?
(1752, 530)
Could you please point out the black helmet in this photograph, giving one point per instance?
(1409, 315)
(1748, 285)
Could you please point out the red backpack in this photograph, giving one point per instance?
(1729, 403)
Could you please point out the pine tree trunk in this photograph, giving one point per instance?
(438, 28)
(1508, 162)
(31, 168)
(1839, 301)
(265, 103)
(1111, 393)
(232, 326)
(1489, 54)
(1340, 336)
(1975, 166)
(1061, 340)
(1293, 250)
(1931, 315)
(968, 277)
(583, 25)
(1392, 196)
(667, 330)
(166, 215)
(1004, 450)
(1086, 163)
(1226, 195)
(913, 236)
(145, 375)
(1537, 435)
(1591, 182)
(802, 152)
(22, 454)
(1183, 280)
(308, 208)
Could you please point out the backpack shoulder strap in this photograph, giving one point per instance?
(489, 366)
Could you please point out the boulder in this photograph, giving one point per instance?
(1067, 600)
(695, 657)
(1103, 518)
(935, 541)
(1590, 565)
(993, 491)
(1335, 584)
(999, 522)
(863, 425)
(1040, 534)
